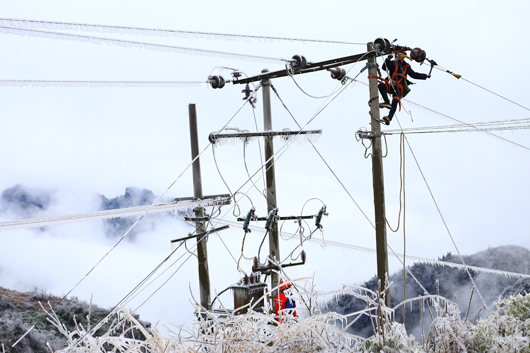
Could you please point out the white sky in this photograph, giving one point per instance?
(81, 141)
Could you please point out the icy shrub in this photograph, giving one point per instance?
(394, 339)
(506, 329)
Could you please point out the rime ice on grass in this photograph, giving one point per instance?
(505, 330)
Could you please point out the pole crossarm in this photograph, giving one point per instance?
(311, 67)
(279, 218)
(191, 198)
(199, 235)
(101, 215)
(247, 136)
(274, 267)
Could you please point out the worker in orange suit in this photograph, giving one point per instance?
(283, 302)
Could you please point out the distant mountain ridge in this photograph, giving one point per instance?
(451, 282)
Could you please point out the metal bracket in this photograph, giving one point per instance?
(197, 219)
(368, 134)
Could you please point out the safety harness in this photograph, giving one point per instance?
(398, 85)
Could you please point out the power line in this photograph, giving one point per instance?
(102, 215)
(451, 118)
(485, 89)
(96, 84)
(140, 45)
(86, 27)
(292, 236)
(499, 125)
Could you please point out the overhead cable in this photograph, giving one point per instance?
(96, 84)
(499, 125)
(485, 89)
(292, 236)
(139, 45)
(86, 27)
(451, 118)
(101, 215)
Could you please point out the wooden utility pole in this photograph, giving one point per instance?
(377, 177)
(274, 244)
(202, 253)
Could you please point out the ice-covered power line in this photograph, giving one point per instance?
(139, 45)
(459, 121)
(96, 216)
(498, 125)
(97, 84)
(322, 242)
(158, 32)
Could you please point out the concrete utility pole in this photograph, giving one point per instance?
(274, 244)
(202, 253)
(377, 177)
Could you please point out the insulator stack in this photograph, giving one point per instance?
(304, 256)
(382, 45)
(300, 62)
(217, 81)
(245, 280)
(247, 91)
(319, 215)
(337, 73)
(250, 216)
(255, 263)
(418, 55)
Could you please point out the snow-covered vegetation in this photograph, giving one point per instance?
(504, 330)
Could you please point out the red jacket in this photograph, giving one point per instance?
(283, 302)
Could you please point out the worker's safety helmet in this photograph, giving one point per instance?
(284, 285)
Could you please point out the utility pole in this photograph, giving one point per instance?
(274, 244)
(377, 177)
(202, 253)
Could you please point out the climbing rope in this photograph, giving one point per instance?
(445, 224)
(401, 181)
